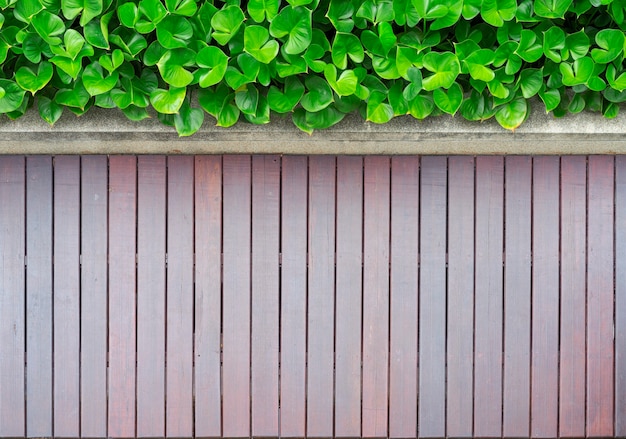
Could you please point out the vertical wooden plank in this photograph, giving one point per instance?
(460, 348)
(93, 319)
(488, 297)
(122, 317)
(179, 324)
(573, 296)
(321, 295)
(432, 296)
(265, 294)
(620, 295)
(236, 296)
(545, 298)
(293, 296)
(348, 296)
(39, 296)
(151, 214)
(208, 236)
(517, 294)
(403, 301)
(600, 297)
(66, 296)
(12, 295)
(376, 296)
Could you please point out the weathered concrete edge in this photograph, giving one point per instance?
(109, 132)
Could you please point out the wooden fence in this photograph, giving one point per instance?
(317, 296)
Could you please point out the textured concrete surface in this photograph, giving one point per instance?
(109, 132)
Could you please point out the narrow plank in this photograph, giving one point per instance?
(39, 296)
(573, 296)
(376, 296)
(179, 284)
(321, 295)
(93, 330)
(12, 295)
(151, 216)
(545, 298)
(66, 296)
(403, 291)
(348, 296)
(265, 294)
(517, 297)
(460, 348)
(236, 296)
(122, 311)
(208, 238)
(432, 298)
(620, 295)
(293, 286)
(600, 297)
(488, 299)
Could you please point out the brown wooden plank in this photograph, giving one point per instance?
(600, 297)
(208, 237)
(488, 298)
(573, 296)
(151, 214)
(545, 298)
(620, 295)
(403, 301)
(432, 298)
(265, 294)
(236, 296)
(517, 293)
(12, 297)
(93, 330)
(348, 296)
(66, 296)
(376, 296)
(293, 296)
(460, 348)
(39, 296)
(122, 311)
(321, 295)
(179, 324)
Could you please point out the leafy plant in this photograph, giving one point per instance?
(313, 60)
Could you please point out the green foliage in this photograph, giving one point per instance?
(316, 60)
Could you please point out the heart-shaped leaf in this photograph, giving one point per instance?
(578, 72)
(553, 43)
(49, 110)
(94, 81)
(345, 45)
(496, 12)
(345, 85)
(512, 114)
(551, 99)
(258, 44)
(188, 120)
(172, 67)
(294, 25)
(174, 32)
(112, 62)
(262, 10)
(450, 101)
(319, 95)
(88, 9)
(530, 82)
(226, 23)
(48, 26)
(341, 13)
(186, 8)
(619, 82)
(76, 97)
(445, 67)
(286, 100)
(552, 8)
(33, 81)
(378, 110)
(611, 43)
(168, 101)
(421, 106)
(12, 97)
(247, 99)
(213, 63)
(249, 66)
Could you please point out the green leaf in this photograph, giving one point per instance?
(34, 81)
(135, 113)
(445, 67)
(345, 85)
(530, 48)
(186, 8)
(88, 9)
(262, 10)
(26, 9)
(552, 8)
(577, 104)
(213, 63)
(319, 94)
(512, 114)
(112, 62)
(453, 13)
(396, 99)
(12, 97)
(172, 67)
(450, 101)
(617, 83)
(611, 43)
(576, 45)
(477, 63)
(345, 45)
(295, 24)
(33, 47)
(48, 26)
(68, 65)
(168, 101)
(258, 44)
(226, 23)
(247, 99)
(578, 72)
(553, 43)
(341, 13)
(286, 100)
(174, 32)
(496, 12)
(129, 41)
(188, 120)
(249, 70)
(94, 81)
(530, 82)
(421, 106)
(97, 31)
(610, 111)
(76, 97)
(128, 14)
(319, 120)
(551, 99)
(378, 110)
(49, 110)
(289, 65)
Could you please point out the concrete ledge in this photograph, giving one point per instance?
(103, 131)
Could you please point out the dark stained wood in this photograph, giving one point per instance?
(265, 294)
(376, 296)
(151, 215)
(488, 305)
(432, 298)
(93, 298)
(620, 295)
(321, 295)
(208, 241)
(67, 296)
(545, 298)
(403, 300)
(517, 297)
(179, 341)
(236, 296)
(122, 309)
(348, 296)
(573, 296)
(460, 347)
(293, 296)
(12, 297)
(600, 355)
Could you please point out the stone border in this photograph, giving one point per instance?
(103, 131)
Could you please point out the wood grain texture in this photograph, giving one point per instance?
(12, 295)
(488, 299)
(620, 295)
(403, 300)
(208, 246)
(349, 296)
